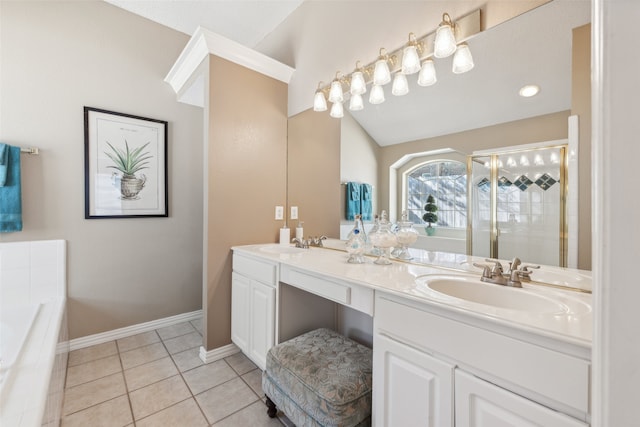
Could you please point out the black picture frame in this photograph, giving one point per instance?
(125, 164)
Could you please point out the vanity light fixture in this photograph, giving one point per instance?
(462, 59)
(335, 93)
(377, 95)
(427, 75)
(400, 85)
(416, 56)
(319, 101)
(381, 73)
(356, 103)
(528, 91)
(410, 56)
(358, 84)
(337, 111)
(445, 43)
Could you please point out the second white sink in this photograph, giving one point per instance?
(473, 290)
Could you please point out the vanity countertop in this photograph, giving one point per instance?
(572, 325)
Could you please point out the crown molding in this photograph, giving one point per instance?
(205, 42)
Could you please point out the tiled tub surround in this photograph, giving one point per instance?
(156, 378)
(33, 274)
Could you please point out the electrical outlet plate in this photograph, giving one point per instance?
(279, 212)
(294, 212)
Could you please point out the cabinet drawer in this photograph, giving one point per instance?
(354, 296)
(528, 368)
(262, 271)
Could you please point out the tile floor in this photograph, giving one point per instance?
(157, 379)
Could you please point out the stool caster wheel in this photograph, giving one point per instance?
(271, 408)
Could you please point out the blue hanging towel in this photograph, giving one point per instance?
(366, 197)
(353, 200)
(10, 190)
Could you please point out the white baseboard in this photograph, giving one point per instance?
(218, 353)
(128, 331)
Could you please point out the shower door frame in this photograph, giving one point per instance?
(493, 178)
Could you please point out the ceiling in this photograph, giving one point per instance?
(319, 37)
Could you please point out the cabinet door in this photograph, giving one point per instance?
(482, 404)
(240, 311)
(262, 326)
(410, 388)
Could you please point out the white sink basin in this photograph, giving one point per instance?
(471, 289)
(281, 249)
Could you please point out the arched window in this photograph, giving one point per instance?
(446, 180)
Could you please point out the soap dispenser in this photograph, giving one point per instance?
(356, 243)
(299, 231)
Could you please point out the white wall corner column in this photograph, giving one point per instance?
(616, 236)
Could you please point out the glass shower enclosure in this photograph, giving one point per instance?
(517, 203)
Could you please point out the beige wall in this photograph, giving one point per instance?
(246, 177)
(581, 106)
(314, 172)
(55, 58)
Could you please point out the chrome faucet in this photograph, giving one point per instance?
(306, 243)
(514, 277)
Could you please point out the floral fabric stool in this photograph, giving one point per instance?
(320, 378)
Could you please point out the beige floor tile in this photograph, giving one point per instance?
(254, 379)
(158, 396)
(254, 415)
(149, 373)
(208, 376)
(222, 401)
(240, 363)
(198, 325)
(189, 359)
(142, 355)
(139, 340)
(185, 413)
(183, 342)
(88, 394)
(176, 330)
(93, 370)
(88, 354)
(112, 413)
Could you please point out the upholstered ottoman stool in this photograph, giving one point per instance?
(319, 379)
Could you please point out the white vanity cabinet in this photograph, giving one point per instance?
(419, 350)
(253, 306)
(481, 404)
(411, 387)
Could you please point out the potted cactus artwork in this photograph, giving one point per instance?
(128, 162)
(430, 216)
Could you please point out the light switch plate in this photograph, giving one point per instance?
(294, 212)
(279, 212)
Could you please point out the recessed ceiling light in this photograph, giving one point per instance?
(529, 90)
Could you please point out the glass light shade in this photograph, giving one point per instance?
(319, 102)
(427, 75)
(410, 60)
(358, 84)
(336, 110)
(400, 85)
(462, 60)
(356, 103)
(381, 74)
(377, 95)
(335, 93)
(445, 43)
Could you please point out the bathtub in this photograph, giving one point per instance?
(33, 341)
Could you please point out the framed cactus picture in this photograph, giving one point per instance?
(125, 164)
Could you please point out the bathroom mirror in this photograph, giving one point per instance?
(478, 110)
